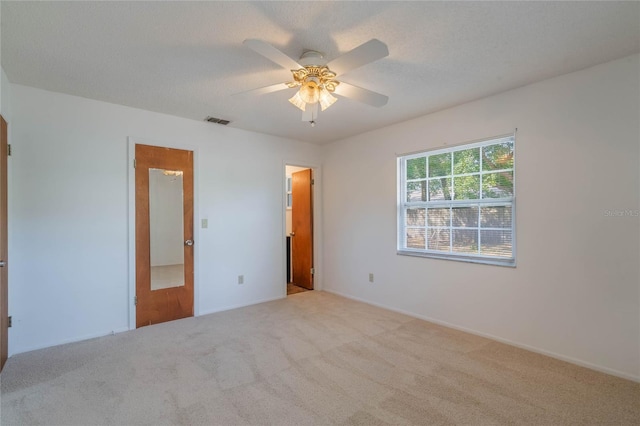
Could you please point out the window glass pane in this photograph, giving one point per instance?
(438, 239)
(497, 157)
(466, 161)
(438, 217)
(466, 187)
(440, 189)
(440, 165)
(458, 202)
(417, 168)
(416, 217)
(417, 191)
(465, 240)
(497, 185)
(496, 243)
(496, 217)
(465, 216)
(415, 238)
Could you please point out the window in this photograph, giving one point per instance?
(458, 203)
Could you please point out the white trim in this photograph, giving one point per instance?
(472, 144)
(514, 224)
(317, 223)
(541, 351)
(458, 257)
(131, 231)
(73, 340)
(242, 305)
(131, 182)
(492, 202)
(400, 217)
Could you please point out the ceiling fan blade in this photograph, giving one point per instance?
(264, 90)
(362, 95)
(368, 52)
(271, 53)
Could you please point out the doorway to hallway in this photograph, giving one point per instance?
(299, 228)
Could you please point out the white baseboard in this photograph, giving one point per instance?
(71, 340)
(242, 305)
(551, 354)
(123, 329)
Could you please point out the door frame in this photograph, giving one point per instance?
(131, 222)
(4, 236)
(316, 175)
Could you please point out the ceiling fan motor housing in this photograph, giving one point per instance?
(312, 58)
(322, 76)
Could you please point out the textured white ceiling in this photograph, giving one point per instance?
(187, 59)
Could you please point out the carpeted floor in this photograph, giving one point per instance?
(315, 358)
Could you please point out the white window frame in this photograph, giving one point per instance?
(403, 204)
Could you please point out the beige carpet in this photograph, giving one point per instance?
(312, 358)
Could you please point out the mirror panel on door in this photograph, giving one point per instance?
(166, 228)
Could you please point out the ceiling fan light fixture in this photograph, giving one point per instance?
(326, 99)
(316, 85)
(315, 78)
(310, 91)
(298, 101)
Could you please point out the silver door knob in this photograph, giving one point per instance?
(2, 264)
(188, 243)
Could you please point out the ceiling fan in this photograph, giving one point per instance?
(317, 80)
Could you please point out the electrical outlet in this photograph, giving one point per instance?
(370, 277)
(240, 279)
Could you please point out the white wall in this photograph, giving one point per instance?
(5, 96)
(3, 78)
(68, 213)
(575, 290)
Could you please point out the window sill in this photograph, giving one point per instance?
(460, 258)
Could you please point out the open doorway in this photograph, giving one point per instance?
(299, 228)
